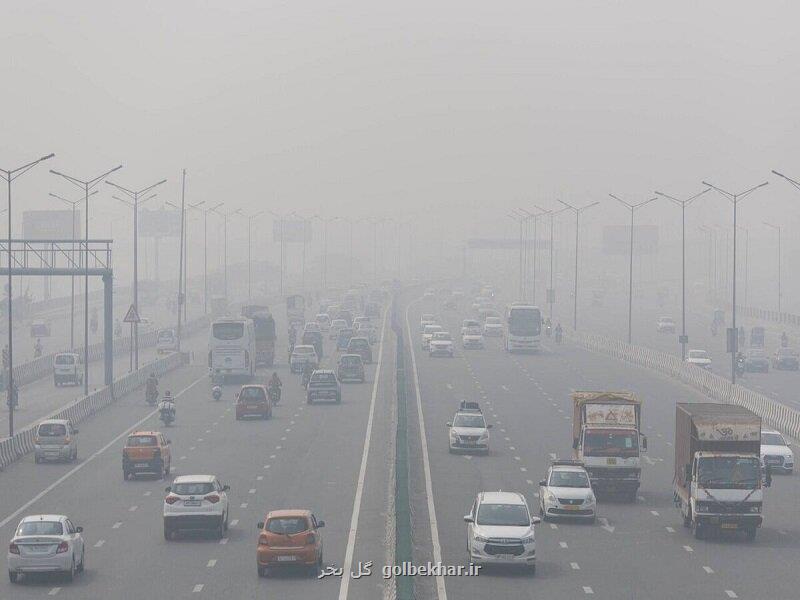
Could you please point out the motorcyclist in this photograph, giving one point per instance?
(548, 326)
(167, 404)
(37, 349)
(784, 340)
(216, 392)
(152, 387)
(308, 369)
(559, 333)
(274, 386)
(740, 363)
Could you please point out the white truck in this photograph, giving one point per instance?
(607, 439)
(718, 478)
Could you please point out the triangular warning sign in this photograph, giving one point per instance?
(132, 316)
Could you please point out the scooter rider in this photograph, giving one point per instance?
(548, 325)
(37, 349)
(216, 392)
(559, 333)
(308, 369)
(152, 387)
(167, 404)
(274, 386)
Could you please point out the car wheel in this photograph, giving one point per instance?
(70, 575)
(262, 571)
(82, 566)
(699, 531)
(219, 533)
(13, 577)
(75, 455)
(125, 475)
(167, 468)
(338, 399)
(167, 532)
(227, 514)
(750, 534)
(533, 569)
(36, 459)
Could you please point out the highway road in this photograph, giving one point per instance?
(636, 550)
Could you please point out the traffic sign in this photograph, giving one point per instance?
(132, 316)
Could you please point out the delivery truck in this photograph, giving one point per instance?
(718, 483)
(264, 325)
(607, 438)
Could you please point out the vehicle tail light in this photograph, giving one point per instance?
(311, 538)
(13, 548)
(67, 440)
(36, 440)
(263, 540)
(62, 547)
(171, 499)
(213, 498)
(209, 359)
(157, 453)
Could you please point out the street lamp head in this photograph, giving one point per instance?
(51, 155)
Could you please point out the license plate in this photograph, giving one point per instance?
(252, 407)
(611, 461)
(572, 508)
(287, 558)
(191, 503)
(729, 526)
(140, 465)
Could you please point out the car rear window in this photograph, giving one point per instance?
(41, 528)
(52, 430)
(287, 525)
(65, 359)
(351, 361)
(323, 378)
(358, 344)
(252, 393)
(193, 488)
(142, 440)
(228, 331)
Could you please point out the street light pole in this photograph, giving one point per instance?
(205, 255)
(733, 338)
(778, 229)
(86, 185)
(578, 211)
(10, 175)
(249, 219)
(73, 204)
(683, 204)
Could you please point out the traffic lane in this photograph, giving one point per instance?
(40, 398)
(301, 473)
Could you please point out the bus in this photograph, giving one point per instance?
(232, 350)
(524, 328)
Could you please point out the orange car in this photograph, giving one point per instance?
(289, 538)
(146, 452)
(253, 401)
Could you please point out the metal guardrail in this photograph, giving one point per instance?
(773, 414)
(14, 448)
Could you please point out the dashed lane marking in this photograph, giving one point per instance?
(211, 563)
(243, 505)
(669, 530)
(252, 491)
(731, 594)
(587, 590)
(552, 456)
(117, 525)
(654, 513)
(133, 508)
(234, 522)
(553, 526)
(198, 588)
(272, 456)
(688, 548)
(523, 469)
(223, 541)
(575, 566)
(54, 591)
(148, 493)
(266, 466)
(182, 458)
(259, 478)
(708, 570)
(563, 544)
(99, 543)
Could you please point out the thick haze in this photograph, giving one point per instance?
(448, 112)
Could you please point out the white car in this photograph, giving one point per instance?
(665, 325)
(472, 340)
(699, 358)
(359, 320)
(336, 326)
(468, 325)
(68, 368)
(426, 319)
(493, 327)
(469, 431)
(427, 334)
(196, 502)
(324, 321)
(302, 354)
(46, 544)
(775, 452)
(500, 530)
(312, 327)
(567, 492)
(441, 344)
(167, 341)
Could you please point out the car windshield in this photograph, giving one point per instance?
(469, 421)
(304, 349)
(470, 324)
(41, 528)
(772, 439)
(728, 472)
(493, 320)
(569, 479)
(228, 331)
(508, 515)
(65, 359)
(141, 440)
(442, 336)
(358, 344)
(338, 323)
(287, 525)
(350, 361)
(667, 320)
(193, 488)
(755, 354)
(698, 354)
(165, 336)
(611, 443)
(252, 394)
(52, 430)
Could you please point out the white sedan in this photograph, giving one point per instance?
(493, 327)
(699, 358)
(567, 492)
(46, 544)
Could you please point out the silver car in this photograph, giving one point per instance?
(55, 439)
(46, 544)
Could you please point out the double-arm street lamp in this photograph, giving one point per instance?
(577, 210)
(10, 175)
(632, 208)
(733, 338)
(684, 339)
(86, 185)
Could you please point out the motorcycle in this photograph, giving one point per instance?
(559, 336)
(306, 378)
(740, 365)
(547, 329)
(167, 416)
(216, 393)
(274, 394)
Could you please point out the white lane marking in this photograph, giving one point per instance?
(708, 570)
(223, 541)
(441, 590)
(654, 513)
(198, 588)
(117, 525)
(252, 491)
(277, 447)
(211, 563)
(266, 466)
(291, 422)
(182, 458)
(54, 591)
(669, 530)
(259, 478)
(523, 469)
(272, 456)
(90, 458)
(243, 505)
(649, 460)
(449, 387)
(502, 431)
(688, 548)
(192, 447)
(99, 543)
(640, 498)
(208, 431)
(604, 525)
(283, 439)
(575, 566)
(505, 387)
(517, 458)
(587, 590)
(147, 493)
(782, 531)
(731, 594)
(133, 508)
(234, 522)
(362, 472)
(553, 526)
(552, 456)
(288, 429)
(562, 544)
(511, 448)
(199, 439)
(529, 481)
(508, 439)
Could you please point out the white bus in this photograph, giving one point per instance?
(524, 328)
(232, 350)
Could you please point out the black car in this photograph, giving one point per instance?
(350, 368)
(323, 385)
(786, 359)
(756, 360)
(360, 346)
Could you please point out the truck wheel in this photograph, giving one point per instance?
(750, 534)
(338, 399)
(687, 521)
(699, 531)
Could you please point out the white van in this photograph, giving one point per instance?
(167, 341)
(55, 439)
(68, 367)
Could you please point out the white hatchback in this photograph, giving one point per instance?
(196, 502)
(46, 544)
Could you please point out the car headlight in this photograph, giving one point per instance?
(755, 507)
(480, 538)
(589, 499)
(549, 496)
(484, 435)
(527, 540)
